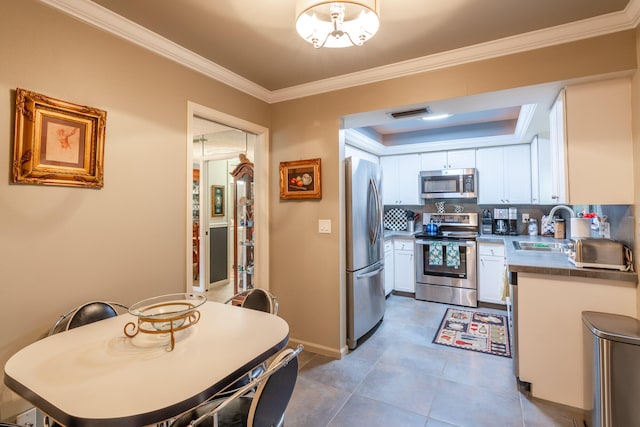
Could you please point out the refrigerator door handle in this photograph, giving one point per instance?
(371, 273)
(375, 233)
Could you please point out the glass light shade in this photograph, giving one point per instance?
(337, 24)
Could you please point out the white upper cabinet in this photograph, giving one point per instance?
(599, 142)
(517, 164)
(553, 159)
(400, 179)
(504, 174)
(456, 159)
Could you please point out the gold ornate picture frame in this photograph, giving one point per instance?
(300, 179)
(57, 142)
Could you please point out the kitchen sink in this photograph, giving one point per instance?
(553, 247)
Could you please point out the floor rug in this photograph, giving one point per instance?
(474, 330)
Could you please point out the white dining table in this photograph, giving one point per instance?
(96, 376)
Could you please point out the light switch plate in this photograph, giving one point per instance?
(525, 217)
(324, 226)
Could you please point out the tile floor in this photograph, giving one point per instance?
(398, 377)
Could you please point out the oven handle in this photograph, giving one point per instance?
(466, 244)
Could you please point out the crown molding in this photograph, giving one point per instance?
(575, 31)
(100, 17)
(104, 19)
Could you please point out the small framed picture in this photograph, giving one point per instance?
(57, 142)
(300, 179)
(217, 200)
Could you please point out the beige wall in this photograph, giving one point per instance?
(635, 108)
(63, 246)
(306, 269)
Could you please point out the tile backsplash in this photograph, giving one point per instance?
(620, 217)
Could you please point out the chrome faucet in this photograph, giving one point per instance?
(555, 208)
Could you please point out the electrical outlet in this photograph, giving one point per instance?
(525, 217)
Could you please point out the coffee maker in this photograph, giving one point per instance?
(487, 222)
(512, 226)
(500, 221)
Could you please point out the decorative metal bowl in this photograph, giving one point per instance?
(165, 314)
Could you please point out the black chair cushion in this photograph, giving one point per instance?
(91, 312)
(259, 300)
(273, 397)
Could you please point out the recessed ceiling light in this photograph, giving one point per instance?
(437, 117)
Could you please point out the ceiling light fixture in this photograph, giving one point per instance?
(436, 117)
(337, 24)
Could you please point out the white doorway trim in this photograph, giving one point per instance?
(261, 189)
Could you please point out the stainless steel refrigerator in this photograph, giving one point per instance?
(365, 248)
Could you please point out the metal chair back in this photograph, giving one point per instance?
(86, 313)
(265, 407)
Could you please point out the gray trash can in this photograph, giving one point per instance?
(612, 362)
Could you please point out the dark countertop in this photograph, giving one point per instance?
(550, 263)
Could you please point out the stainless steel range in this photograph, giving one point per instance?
(446, 259)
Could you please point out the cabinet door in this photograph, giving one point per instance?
(517, 174)
(461, 159)
(599, 137)
(490, 279)
(389, 282)
(404, 271)
(389, 180)
(490, 165)
(408, 176)
(544, 180)
(504, 174)
(433, 161)
(400, 179)
(457, 159)
(557, 142)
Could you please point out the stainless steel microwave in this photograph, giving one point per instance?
(449, 184)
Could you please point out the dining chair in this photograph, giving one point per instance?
(86, 313)
(256, 299)
(265, 408)
(83, 315)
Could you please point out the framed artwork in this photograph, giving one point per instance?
(217, 200)
(57, 142)
(300, 179)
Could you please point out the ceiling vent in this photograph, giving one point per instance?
(410, 113)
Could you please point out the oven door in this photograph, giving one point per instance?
(446, 262)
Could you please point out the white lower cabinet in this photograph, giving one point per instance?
(491, 263)
(389, 278)
(403, 265)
